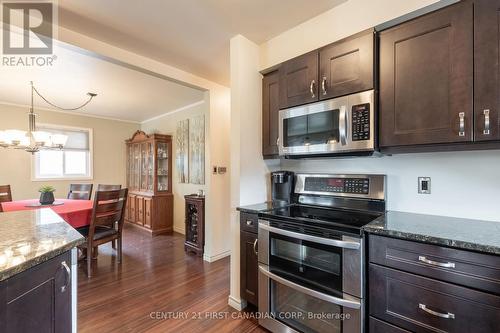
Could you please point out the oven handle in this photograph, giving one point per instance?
(327, 298)
(314, 239)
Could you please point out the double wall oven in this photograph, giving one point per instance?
(311, 254)
(343, 125)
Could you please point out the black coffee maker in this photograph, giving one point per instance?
(282, 186)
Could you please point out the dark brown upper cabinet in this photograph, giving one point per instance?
(426, 79)
(486, 70)
(270, 113)
(346, 66)
(298, 83)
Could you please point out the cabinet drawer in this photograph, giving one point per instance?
(425, 305)
(479, 271)
(249, 222)
(379, 326)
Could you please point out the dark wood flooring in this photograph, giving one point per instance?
(157, 280)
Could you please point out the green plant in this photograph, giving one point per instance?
(47, 189)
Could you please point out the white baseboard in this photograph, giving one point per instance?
(216, 257)
(238, 304)
(180, 230)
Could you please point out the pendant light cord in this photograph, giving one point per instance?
(91, 96)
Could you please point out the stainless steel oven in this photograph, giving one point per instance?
(343, 125)
(309, 282)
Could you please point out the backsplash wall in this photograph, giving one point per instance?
(463, 184)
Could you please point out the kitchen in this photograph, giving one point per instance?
(427, 121)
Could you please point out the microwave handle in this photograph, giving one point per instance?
(316, 294)
(310, 238)
(343, 125)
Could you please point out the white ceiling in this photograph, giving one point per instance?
(192, 35)
(123, 93)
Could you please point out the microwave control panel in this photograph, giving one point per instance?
(338, 185)
(361, 122)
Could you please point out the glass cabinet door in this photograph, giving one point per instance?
(137, 166)
(144, 167)
(162, 166)
(151, 164)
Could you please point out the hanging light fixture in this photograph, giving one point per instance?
(33, 140)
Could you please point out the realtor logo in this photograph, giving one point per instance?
(35, 19)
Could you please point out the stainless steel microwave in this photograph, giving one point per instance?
(344, 125)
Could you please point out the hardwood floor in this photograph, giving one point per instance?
(157, 280)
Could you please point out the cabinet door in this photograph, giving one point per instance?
(249, 267)
(299, 80)
(487, 70)
(140, 210)
(133, 208)
(148, 212)
(270, 113)
(346, 66)
(38, 300)
(426, 79)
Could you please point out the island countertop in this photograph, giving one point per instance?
(30, 237)
(466, 234)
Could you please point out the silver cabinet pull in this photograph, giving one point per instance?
(278, 141)
(311, 89)
(486, 130)
(68, 276)
(313, 239)
(249, 223)
(343, 125)
(323, 85)
(461, 126)
(435, 263)
(255, 247)
(435, 313)
(316, 294)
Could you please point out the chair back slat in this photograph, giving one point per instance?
(107, 219)
(103, 187)
(109, 206)
(5, 195)
(80, 191)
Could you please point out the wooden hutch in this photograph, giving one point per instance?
(150, 203)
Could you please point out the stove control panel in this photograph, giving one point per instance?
(337, 185)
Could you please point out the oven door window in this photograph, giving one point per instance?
(311, 129)
(315, 265)
(303, 312)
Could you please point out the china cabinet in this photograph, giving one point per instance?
(149, 180)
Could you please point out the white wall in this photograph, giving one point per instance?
(167, 124)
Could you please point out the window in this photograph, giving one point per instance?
(74, 161)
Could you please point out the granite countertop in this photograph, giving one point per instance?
(474, 235)
(261, 207)
(30, 237)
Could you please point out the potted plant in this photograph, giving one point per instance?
(47, 195)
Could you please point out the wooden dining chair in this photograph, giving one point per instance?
(106, 224)
(5, 195)
(80, 191)
(103, 187)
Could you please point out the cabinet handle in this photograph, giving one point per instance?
(278, 141)
(249, 223)
(323, 85)
(255, 247)
(448, 315)
(435, 263)
(461, 126)
(486, 130)
(311, 89)
(68, 276)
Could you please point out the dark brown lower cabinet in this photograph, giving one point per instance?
(195, 224)
(37, 300)
(249, 263)
(427, 288)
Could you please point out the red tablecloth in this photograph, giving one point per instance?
(76, 212)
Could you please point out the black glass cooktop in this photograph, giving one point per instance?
(329, 218)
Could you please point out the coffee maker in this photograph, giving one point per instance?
(281, 186)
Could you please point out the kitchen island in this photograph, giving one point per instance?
(37, 272)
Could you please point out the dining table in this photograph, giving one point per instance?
(77, 213)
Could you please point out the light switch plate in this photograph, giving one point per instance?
(424, 185)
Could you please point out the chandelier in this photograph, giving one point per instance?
(33, 140)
